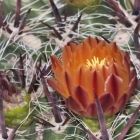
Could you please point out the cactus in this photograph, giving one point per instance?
(15, 105)
(89, 5)
(43, 30)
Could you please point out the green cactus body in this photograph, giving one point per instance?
(16, 112)
(119, 124)
(72, 131)
(132, 134)
(94, 125)
(35, 5)
(127, 3)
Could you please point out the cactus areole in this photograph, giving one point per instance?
(92, 66)
(15, 103)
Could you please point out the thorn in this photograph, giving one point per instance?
(89, 133)
(35, 80)
(44, 55)
(33, 85)
(21, 71)
(129, 124)
(76, 24)
(66, 120)
(16, 77)
(46, 91)
(22, 24)
(55, 31)
(115, 5)
(136, 7)
(58, 19)
(17, 13)
(2, 121)
(12, 134)
(44, 121)
(2, 10)
(136, 40)
(137, 18)
(101, 118)
(74, 40)
(66, 13)
(5, 26)
(105, 39)
(56, 111)
(40, 63)
(123, 19)
(46, 70)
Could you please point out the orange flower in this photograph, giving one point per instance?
(93, 66)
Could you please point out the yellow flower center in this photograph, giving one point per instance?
(95, 63)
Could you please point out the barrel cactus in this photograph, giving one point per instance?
(46, 33)
(16, 104)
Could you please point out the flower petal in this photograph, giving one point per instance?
(56, 63)
(111, 110)
(126, 64)
(73, 105)
(113, 85)
(95, 82)
(85, 47)
(81, 95)
(57, 67)
(67, 53)
(69, 83)
(84, 114)
(92, 42)
(91, 110)
(126, 54)
(121, 102)
(132, 73)
(101, 44)
(81, 79)
(113, 47)
(120, 72)
(106, 100)
(132, 86)
(105, 72)
(56, 85)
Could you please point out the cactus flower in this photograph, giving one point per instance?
(84, 4)
(93, 66)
